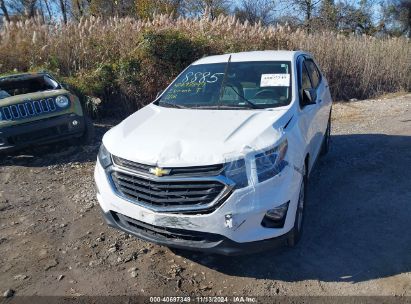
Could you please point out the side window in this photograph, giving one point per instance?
(305, 79)
(313, 71)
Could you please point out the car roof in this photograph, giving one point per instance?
(253, 56)
(22, 76)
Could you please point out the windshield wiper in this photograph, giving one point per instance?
(223, 86)
(219, 107)
(224, 80)
(171, 105)
(222, 107)
(252, 104)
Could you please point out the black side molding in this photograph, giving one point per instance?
(288, 122)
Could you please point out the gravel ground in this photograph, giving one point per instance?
(356, 241)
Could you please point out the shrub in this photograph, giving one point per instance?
(171, 48)
(124, 62)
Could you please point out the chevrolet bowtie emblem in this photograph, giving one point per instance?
(159, 171)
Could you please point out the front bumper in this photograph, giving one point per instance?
(41, 132)
(211, 232)
(189, 240)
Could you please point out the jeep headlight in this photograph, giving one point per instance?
(236, 171)
(271, 162)
(62, 101)
(104, 157)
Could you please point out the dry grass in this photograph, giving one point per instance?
(356, 66)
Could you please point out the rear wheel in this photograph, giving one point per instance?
(296, 233)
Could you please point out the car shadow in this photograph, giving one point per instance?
(57, 153)
(357, 224)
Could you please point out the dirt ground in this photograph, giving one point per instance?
(357, 238)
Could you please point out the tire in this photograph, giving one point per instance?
(325, 147)
(296, 233)
(88, 134)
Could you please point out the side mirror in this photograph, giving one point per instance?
(309, 97)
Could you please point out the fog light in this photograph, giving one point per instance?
(74, 122)
(275, 218)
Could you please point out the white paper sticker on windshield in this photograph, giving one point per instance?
(275, 80)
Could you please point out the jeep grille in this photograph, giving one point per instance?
(29, 108)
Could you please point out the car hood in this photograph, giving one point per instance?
(169, 137)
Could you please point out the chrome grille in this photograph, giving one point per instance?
(174, 194)
(167, 193)
(29, 108)
(210, 170)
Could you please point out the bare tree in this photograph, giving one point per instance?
(306, 7)
(46, 3)
(212, 8)
(105, 8)
(256, 11)
(328, 15)
(147, 8)
(404, 16)
(30, 7)
(4, 10)
(355, 18)
(63, 8)
(396, 17)
(25, 8)
(79, 8)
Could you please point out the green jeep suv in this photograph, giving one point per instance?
(36, 109)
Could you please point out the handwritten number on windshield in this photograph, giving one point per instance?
(201, 77)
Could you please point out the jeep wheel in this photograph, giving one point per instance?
(88, 134)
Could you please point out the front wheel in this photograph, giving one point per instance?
(88, 134)
(296, 233)
(326, 141)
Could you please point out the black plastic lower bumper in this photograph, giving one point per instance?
(189, 240)
(41, 132)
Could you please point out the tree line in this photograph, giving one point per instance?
(372, 17)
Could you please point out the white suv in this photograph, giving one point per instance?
(219, 161)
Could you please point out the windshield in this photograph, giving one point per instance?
(18, 85)
(239, 85)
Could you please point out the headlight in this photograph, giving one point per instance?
(62, 101)
(236, 171)
(104, 157)
(271, 162)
